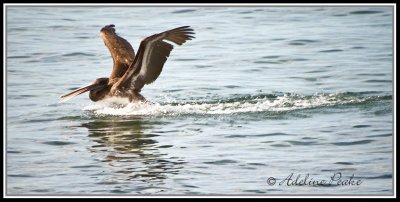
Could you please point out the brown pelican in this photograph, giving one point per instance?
(129, 73)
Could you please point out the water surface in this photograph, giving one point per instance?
(261, 93)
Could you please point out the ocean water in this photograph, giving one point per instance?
(264, 101)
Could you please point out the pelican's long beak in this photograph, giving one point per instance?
(79, 91)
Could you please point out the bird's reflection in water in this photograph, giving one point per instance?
(131, 153)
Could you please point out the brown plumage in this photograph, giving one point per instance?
(130, 73)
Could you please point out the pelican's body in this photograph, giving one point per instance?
(130, 73)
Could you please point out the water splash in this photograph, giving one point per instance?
(244, 104)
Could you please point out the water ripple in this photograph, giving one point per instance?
(352, 143)
(331, 51)
(58, 143)
(301, 42)
(260, 135)
(77, 54)
(183, 11)
(363, 12)
(246, 104)
(221, 162)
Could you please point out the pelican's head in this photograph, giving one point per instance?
(97, 90)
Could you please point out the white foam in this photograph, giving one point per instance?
(281, 103)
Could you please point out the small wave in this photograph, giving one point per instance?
(58, 143)
(77, 54)
(361, 12)
(271, 56)
(183, 11)
(300, 42)
(331, 50)
(244, 104)
(18, 57)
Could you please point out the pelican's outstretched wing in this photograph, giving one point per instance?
(120, 49)
(151, 56)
